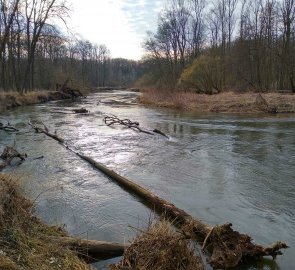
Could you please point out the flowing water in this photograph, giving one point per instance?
(219, 168)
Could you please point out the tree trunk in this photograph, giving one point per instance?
(92, 250)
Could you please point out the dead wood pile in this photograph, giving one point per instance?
(73, 93)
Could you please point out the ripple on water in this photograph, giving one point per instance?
(219, 168)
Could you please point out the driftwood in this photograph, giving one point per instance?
(112, 120)
(9, 153)
(8, 128)
(229, 248)
(81, 110)
(92, 250)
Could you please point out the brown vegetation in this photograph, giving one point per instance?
(160, 248)
(225, 102)
(11, 100)
(24, 240)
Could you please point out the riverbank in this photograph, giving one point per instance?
(226, 102)
(11, 100)
(26, 242)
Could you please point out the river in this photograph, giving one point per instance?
(217, 167)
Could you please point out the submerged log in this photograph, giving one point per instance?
(46, 132)
(92, 250)
(81, 110)
(229, 247)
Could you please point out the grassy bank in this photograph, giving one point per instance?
(160, 247)
(226, 102)
(11, 100)
(25, 241)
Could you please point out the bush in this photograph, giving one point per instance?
(204, 75)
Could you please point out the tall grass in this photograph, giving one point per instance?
(25, 241)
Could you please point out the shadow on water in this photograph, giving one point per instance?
(218, 168)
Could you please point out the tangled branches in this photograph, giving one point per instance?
(113, 120)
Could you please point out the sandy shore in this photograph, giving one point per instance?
(226, 102)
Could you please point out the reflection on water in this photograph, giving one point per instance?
(217, 167)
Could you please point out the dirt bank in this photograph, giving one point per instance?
(25, 241)
(226, 102)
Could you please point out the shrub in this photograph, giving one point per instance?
(204, 75)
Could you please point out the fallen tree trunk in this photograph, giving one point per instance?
(92, 250)
(229, 247)
(46, 132)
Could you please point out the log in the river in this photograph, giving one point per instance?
(229, 247)
(92, 250)
(46, 132)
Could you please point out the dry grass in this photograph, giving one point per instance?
(226, 102)
(24, 240)
(160, 248)
(13, 99)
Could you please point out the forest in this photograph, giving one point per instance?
(223, 45)
(206, 46)
(36, 54)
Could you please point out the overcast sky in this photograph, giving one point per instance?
(119, 24)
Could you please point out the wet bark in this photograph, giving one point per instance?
(92, 250)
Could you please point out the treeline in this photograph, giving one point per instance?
(223, 44)
(35, 54)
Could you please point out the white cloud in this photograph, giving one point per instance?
(119, 24)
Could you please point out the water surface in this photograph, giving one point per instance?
(220, 168)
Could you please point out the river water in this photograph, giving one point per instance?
(219, 168)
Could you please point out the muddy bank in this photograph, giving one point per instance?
(227, 102)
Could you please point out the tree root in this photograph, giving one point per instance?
(229, 247)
